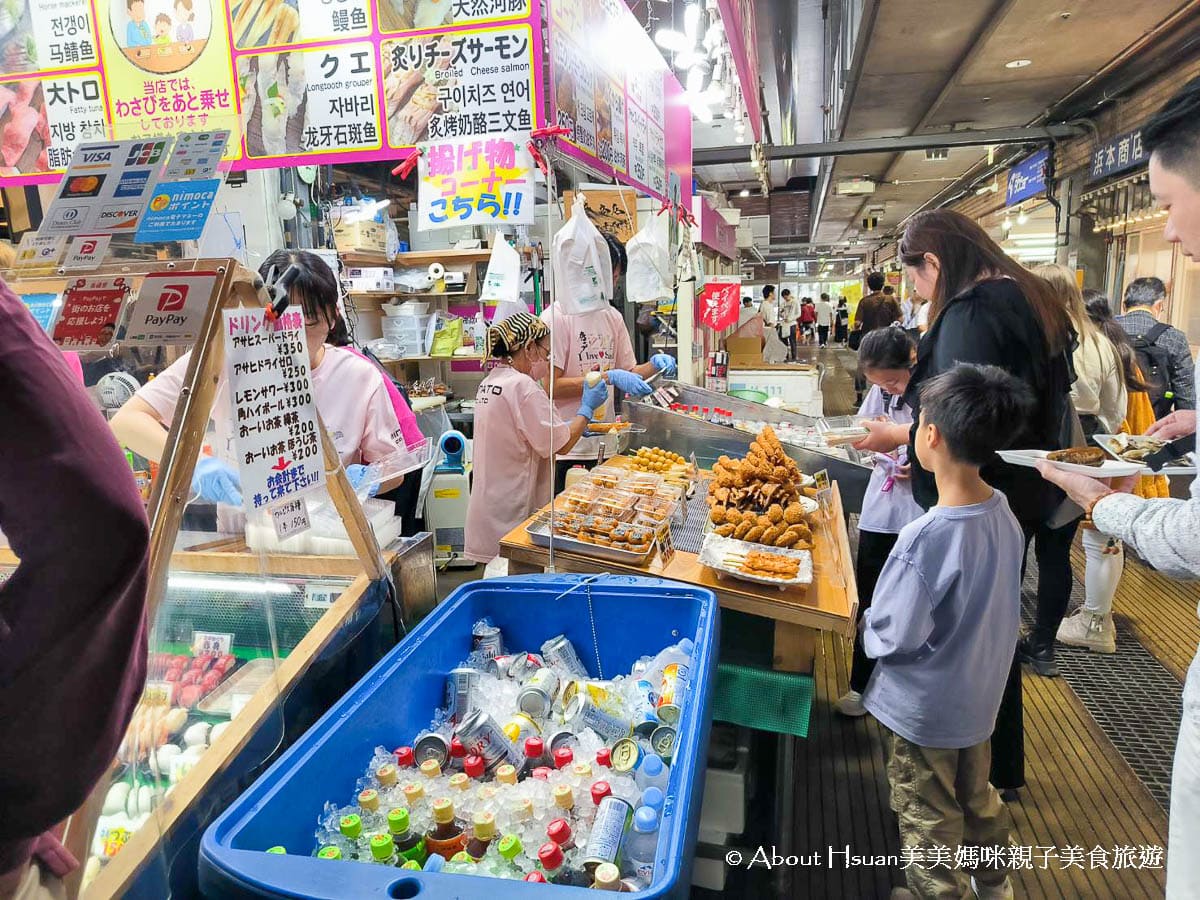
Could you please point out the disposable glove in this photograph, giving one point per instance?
(628, 382)
(665, 363)
(217, 482)
(593, 398)
(357, 474)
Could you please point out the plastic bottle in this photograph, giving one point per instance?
(564, 802)
(460, 864)
(607, 877)
(383, 850)
(536, 877)
(575, 474)
(447, 836)
(435, 863)
(670, 671)
(604, 757)
(563, 757)
(281, 851)
(409, 845)
(483, 833)
(653, 772)
(554, 867)
(640, 846)
(474, 766)
(535, 755)
(656, 799)
(559, 831)
(404, 758)
(479, 334)
(411, 865)
(458, 754)
(329, 852)
(510, 850)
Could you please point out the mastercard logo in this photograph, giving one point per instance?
(83, 184)
(159, 203)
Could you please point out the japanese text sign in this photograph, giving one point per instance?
(86, 252)
(178, 211)
(611, 209)
(42, 307)
(1125, 151)
(719, 302)
(276, 431)
(475, 181)
(170, 307)
(90, 313)
(1027, 178)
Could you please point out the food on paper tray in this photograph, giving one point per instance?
(1134, 447)
(836, 437)
(1079, 456)
(768, 565)
(608, 427)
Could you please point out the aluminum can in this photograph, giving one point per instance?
(582, 712)
(481, 735)
(461, 686)
(431, 745)
(663, 741)
(560, 653)
(487, 639)
(612, 821)
(537, 696)
(626, 756)
(519, 727)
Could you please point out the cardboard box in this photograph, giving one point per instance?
(744, 351)
(362, 237)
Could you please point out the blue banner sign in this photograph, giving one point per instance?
(1117, 154)
(1027, 178)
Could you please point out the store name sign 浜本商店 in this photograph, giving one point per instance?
(1117, 154)
(1027, 178)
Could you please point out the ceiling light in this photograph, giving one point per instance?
(1006, 224)
(1022, 217)
(745, 192)
(700, 109)
(1018, 63)
(670, 39)
(689, 58)
(695, 80)
(691, 21)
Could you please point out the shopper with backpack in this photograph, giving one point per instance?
(1163, 353)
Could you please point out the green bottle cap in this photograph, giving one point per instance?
(382, 846)
(413, 865)
(351, 826)
(329, 853)
(461, 857)
(280, 850)
(510, 847)
(398, 822)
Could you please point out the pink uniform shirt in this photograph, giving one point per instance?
(404, 414)
(516, 429)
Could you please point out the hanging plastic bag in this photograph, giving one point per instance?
(502, 284)
(648, 279)
(580, 264)
(447, 336)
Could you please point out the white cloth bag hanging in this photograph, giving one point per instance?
(502, 284)
(649, 277)
(580, 264)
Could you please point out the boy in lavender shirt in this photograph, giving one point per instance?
(942, 622)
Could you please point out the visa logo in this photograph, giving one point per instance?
(97, 157)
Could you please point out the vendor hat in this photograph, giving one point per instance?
(512, 334)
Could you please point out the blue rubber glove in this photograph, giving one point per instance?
(357, 473)
(665, 363)
(217, 482)
(628, 382)
(593, 398)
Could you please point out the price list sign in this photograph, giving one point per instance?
(276, 432)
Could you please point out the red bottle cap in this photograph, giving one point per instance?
(600, 790)
(542, 773)
(559, 831)
(563, 757)
(404, 757)
(537, 877)
(550, 855)
(534, 748)
(604, 757)
(457, 750)
(474, 766)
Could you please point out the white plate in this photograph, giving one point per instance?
(716, 548)
(1103, 439)
(1111, 468)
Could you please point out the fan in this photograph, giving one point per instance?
(116, 388)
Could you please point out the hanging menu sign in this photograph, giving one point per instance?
(276, 432)
(294, 82)
(473, 181)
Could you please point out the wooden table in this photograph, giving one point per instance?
(830, 603)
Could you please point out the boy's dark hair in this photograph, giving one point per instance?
(787, 292)
(886, 348)
(616, 252)
(768, 291)
(889, 290)
(875, 281)
(977, 409)
(1174, 133)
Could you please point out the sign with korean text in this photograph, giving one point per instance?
(276, 432)
(86, 252)
(170, 308)
(475, 181)
(1027, 178)
(91, 312)
(106, 187)
(719, 302)
(178, 211)
(611, 210)
(1117, 154)
(43, 308)
(293, 82)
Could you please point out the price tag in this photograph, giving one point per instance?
(320, 595)
(290, 518)
(159, 693)
(666, 544)
(825, 499)
(211, 643)
(822, 479)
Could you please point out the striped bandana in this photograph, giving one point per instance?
(517, 331)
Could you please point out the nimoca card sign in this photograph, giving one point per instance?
(170, 308)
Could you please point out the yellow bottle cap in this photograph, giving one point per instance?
(460, 781)
(386, 774)
(582, 769)
(430, 768)
(485, 826)
(506, 774)
(564, 798)
(369, 799)
(413, 791)
(443, 811)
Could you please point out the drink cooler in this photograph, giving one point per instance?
(634, 617)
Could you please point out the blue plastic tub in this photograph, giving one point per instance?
(633, 617)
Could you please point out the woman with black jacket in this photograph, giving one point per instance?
(988, 309)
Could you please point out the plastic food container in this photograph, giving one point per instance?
(632, 617)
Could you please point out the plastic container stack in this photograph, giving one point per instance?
(412, 333)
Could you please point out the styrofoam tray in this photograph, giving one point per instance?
(1111, 468)
(716, 548)
(1103, 439)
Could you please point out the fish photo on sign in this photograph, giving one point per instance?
(411, 84)
(264, 23)
(24, 131)
(274, 96)
(18, 47)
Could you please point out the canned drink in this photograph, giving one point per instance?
(560, 652)
(519, 727)
(669, 714)
(537, 697)
(431, 745)
(663, 741)
(646, 718)
(599, 691)
(626, 756)
(461, 687)
(672, 684)
(584, 713)
(481, 735)
(557, 740)
(487, 639)
(604, 843)
(525, 666)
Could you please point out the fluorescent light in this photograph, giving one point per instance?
(1022, 218)
(695, 81)
(745, 192)
(691, 21)
(228, 585)
(670, 39)
(1018, 63)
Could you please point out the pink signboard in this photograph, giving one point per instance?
(740, 24)
(711, 229)
(612, 89)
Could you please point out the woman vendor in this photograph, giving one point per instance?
(350, 395)
(517, 430)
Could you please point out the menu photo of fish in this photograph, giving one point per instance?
(264, 23)
(24, 130)
(18, 48)
(411, 15)
(274, 100)
(413, 74)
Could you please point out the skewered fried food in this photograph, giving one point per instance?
(725, 530)
(754, 534)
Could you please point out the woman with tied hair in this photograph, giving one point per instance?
(988, 309)
(517, 431)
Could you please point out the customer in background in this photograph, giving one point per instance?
(808, 319)
(789, 322)
(941, 626)
(1164, 355)
(824, 312)
(73, 632)
(886, 356)
(876, 310)
(1166, 532)
(989, 309)
(841, 329)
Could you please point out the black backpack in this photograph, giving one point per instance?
(1155, 363)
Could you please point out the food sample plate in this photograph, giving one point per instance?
(716, 553)
(1106, 443)
(539, 533)
(1111, 468)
